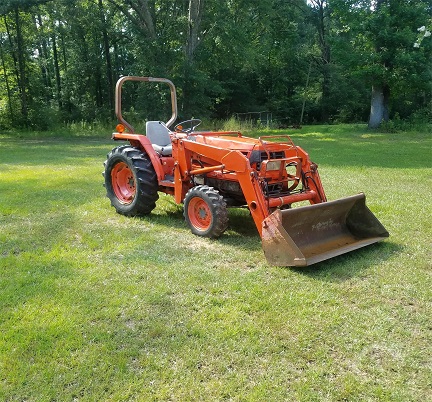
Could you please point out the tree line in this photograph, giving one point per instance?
(304, 61)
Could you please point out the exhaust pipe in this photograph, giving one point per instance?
(306, 235)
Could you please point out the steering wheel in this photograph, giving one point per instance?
(193, 123)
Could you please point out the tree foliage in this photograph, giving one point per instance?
(314, 60)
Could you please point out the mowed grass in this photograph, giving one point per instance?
(95, 306)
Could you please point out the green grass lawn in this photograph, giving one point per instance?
(95, 306)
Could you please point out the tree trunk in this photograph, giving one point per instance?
(108, 63)
(196, 8)
(195, 13)
(12, 51)
(22, 83)
(8, 90)
(326, 92)
(57, 72)
(323, 15)
(146, 16)
(304, 93)
(42, 48)
(379, 105)
(379, 111)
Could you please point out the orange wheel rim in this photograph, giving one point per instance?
(199, 213)
(123, 182)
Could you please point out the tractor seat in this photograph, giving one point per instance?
(158, 134)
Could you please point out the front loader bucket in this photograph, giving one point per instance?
(307, 235)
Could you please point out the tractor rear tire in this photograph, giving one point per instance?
(130, 181)
(205, 211)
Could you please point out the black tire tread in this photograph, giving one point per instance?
(218, 207)
(145, 181)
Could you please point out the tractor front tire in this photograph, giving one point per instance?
(130, 181)
(205, 211)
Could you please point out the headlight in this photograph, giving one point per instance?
(273, 165)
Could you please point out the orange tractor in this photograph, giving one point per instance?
(211, 171)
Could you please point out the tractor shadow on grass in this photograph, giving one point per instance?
(353, 264)
(242, 234)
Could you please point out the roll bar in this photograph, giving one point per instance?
(118, 100)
